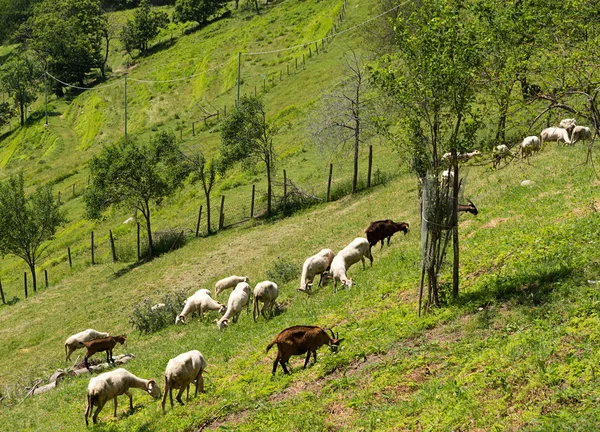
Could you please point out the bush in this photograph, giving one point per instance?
(164, 241)
(146, 320)
(283, 271)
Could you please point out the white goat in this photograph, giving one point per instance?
(501, 152)
(181, 371)
(464, 157)
(554, 134)
(530, 145)
(567, 124)
(111, 384)
(239, 298)
(76, 341)
(313, 266)
(266, 292)
(200, 302)
(581, 133)
(229, 282)
(351, 254)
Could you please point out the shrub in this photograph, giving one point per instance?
(283, 271)
(146, 320)
(164, 241)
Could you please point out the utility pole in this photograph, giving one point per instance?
(45, 94)
(125, 106)
(237, 101)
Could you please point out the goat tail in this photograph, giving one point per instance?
(254, 308)
(270, 346)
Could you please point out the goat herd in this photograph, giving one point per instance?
(187, 368)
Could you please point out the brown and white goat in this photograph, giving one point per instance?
(298, 340)
(382, 229)
(103, 344)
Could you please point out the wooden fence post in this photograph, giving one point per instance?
(181, 133)
(329, 182)
(303, 61)
(280, 75)
(296, 63)
(59, 197)
(288, 68)
(46, 277)
(112, 246)
(138, 242)
(317, 47)
(221, 214)
(92, 246)
(284, 190)
(264, 84)
(252, 202)
(194, 128)
(2, 293)
(309, 52)
(25, 283)
(255, 90)
(370, 165)
(225, 111)
(73, 189)
(70, 261)
(198, 223)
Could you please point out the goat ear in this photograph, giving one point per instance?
(339, 340)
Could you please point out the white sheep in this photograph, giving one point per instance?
(239, 297)
(266, 292)
(158, 306)
(530, 145)
(76, 341)
(200, 302)
(567, 124)
(554, 134)
(447, 176)
(229, 282)
(581, 133)
(111, 384)
(351, 254)
(501, 152)
(313, 266)
(464, 157)
(181, 371)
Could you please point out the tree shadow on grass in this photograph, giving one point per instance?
(129, 268)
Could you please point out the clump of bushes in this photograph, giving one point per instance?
(146, 320)
(282, 271)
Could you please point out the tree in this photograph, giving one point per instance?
(6, 113)
(343, 116)
(20, 77)
(68, 37)
(196, 10)
(432, 77)
(135, 176)
(27, 223)
(207, 171)
(246, 135)
(13, 13)
(143, 28)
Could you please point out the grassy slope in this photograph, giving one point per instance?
(517, 350)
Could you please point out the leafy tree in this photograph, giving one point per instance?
(68, 37)
(207, 172)
(20, 77)
(196, 10)
(6, 113)
(246, 135)
(143, 28)
(135, 176)
(27, 223)
(13, 13)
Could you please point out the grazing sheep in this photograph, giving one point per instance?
(111, 384)
(265, 292)
(568, 124)
(384, 229)
(158, 306)
(181, 371)
(554, 134)
(200, 302)
(298, 340)
(581, 133)
(76, 341)
(103, 344)
(229, 282)
(501, 152)
(239, 298)
(447, 175)
(351, 254)
(313, 266)
(465, 157)
(530, 145)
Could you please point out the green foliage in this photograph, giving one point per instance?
(145, 320)
(68, 37)
(6, 112)
(144, 27)
(13, 13)
(27, 223)
(206, 172)
(283, 270)
(196, 10)
(20, 78)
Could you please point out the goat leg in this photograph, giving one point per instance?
(178, 397)
(128, 393)
(115, 401)
(275, 364)
(307, 359)
(285, 370)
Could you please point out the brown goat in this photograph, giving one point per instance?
(298, 340)
(102, 344)
(382, 229)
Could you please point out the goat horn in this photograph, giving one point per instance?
(332, 335)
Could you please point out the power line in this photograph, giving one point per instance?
(183, 78)
(81, 88)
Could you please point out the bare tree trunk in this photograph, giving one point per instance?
(209, 229)
(33, 278)
(269, 191)
(149, 232)
(356, 144)
(22, 112)
(456, 261)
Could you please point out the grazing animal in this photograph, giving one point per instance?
(77, 340)
(447, 175)
(351, 254)
(530, 145)
(181, 371)
(501, 152)
(568, 124)
(380, 230)
(111, 384)
(315, 265)
(461, 157)
(158, 306)
(580, 133)
(265, 292)
(103, 344)
(229, 282)
(554, 134)
(468, 208)
(239, 298)
(200, 302)
(298, 340)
